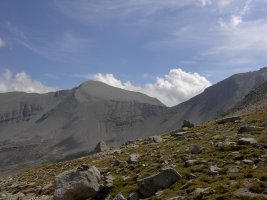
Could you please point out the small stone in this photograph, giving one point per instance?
(101, 147)
(239, 157)
(245, 193)
(133, 158)
(155, 139)
(191, 176)
(246, 141)
(186, 185)
(134, 196)
(158, 193)
(233, 169)
(187, 124)
(244, 129)
(117, 162)
(189, 163)
(196, 150)
(214, 169)
(228, 119)
(222, 145)
(201, 190)
(248, 162)
(119, 197)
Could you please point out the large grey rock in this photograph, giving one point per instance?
(80, 183)
(101, 146)
(245, 129)
(246, 141)
(164, 179)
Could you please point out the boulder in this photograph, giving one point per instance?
(164, 179)
(187, 124)
(101, 146)
(155, 139)
(80, 183)
(245, 129)
(246, 141)
(133, 158)
(228, 119)
(196, 150)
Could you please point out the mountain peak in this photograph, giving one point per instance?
(100, 90)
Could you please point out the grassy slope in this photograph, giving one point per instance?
(153, 157)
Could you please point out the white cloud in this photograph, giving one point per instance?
(235, 20)
(205, 2)
(2, 42)
(175, 87)
(21, 82)
(224, 3)
(94, 10)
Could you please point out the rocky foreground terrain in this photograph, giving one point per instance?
(223, 159)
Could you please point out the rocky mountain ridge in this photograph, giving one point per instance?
(37, 128)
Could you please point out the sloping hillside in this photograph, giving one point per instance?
(36, 128)
(215, 161)
(253, 102)
(217, 99)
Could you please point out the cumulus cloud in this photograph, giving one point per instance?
(21, 82)
(175, 87)
(2, 42)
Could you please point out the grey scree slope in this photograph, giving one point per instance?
(35, 128)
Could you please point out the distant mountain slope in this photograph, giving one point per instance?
(253, 102)
(37, 128)
(216, 99)
(46, 127)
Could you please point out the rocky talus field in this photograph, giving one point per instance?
(222, 159)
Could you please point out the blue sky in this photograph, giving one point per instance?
(61, 43)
